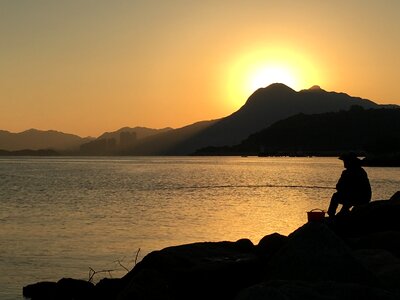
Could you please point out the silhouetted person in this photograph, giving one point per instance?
(353, 187)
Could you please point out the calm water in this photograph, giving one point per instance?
(60, 216)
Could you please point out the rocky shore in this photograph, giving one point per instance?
(355, 256)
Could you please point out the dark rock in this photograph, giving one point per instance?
(387, 240)
(74, 289)
(197, 271)
(377, 216)
(383, 264)
(270, 244)
(64, 289)
(314, 252)
(41, 290)
(244, 245)
(321, 290)
(148, 284)
(395, 197)
(108, 288)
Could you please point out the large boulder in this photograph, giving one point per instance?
(194, 271)
(314, 253)
(40, 290)
(64, 289)
(376, 216)
(270, 244)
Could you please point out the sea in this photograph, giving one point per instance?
(96, 217)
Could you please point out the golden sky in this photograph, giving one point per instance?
(91, 66)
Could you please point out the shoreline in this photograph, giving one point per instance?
(357, 255)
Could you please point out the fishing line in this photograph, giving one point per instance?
(246, 186)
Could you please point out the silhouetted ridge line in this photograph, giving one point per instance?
(263, 108)
(34, 139)
(364, 131)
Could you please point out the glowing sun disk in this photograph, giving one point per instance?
(271, 74)
(260, 68)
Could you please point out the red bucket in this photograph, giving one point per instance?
(316, 215)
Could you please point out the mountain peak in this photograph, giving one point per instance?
(314, 88)
(39, 131)
(278, 87)
(273, 89)
(31, 130)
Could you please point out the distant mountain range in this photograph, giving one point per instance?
(263, 108)
(34, 139)
(141, 132)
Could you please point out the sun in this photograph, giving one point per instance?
(246, 72)
(269, 74)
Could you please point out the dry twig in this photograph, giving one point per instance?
(136, 257)
(93, 272)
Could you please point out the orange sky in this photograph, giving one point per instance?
(91, 66)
